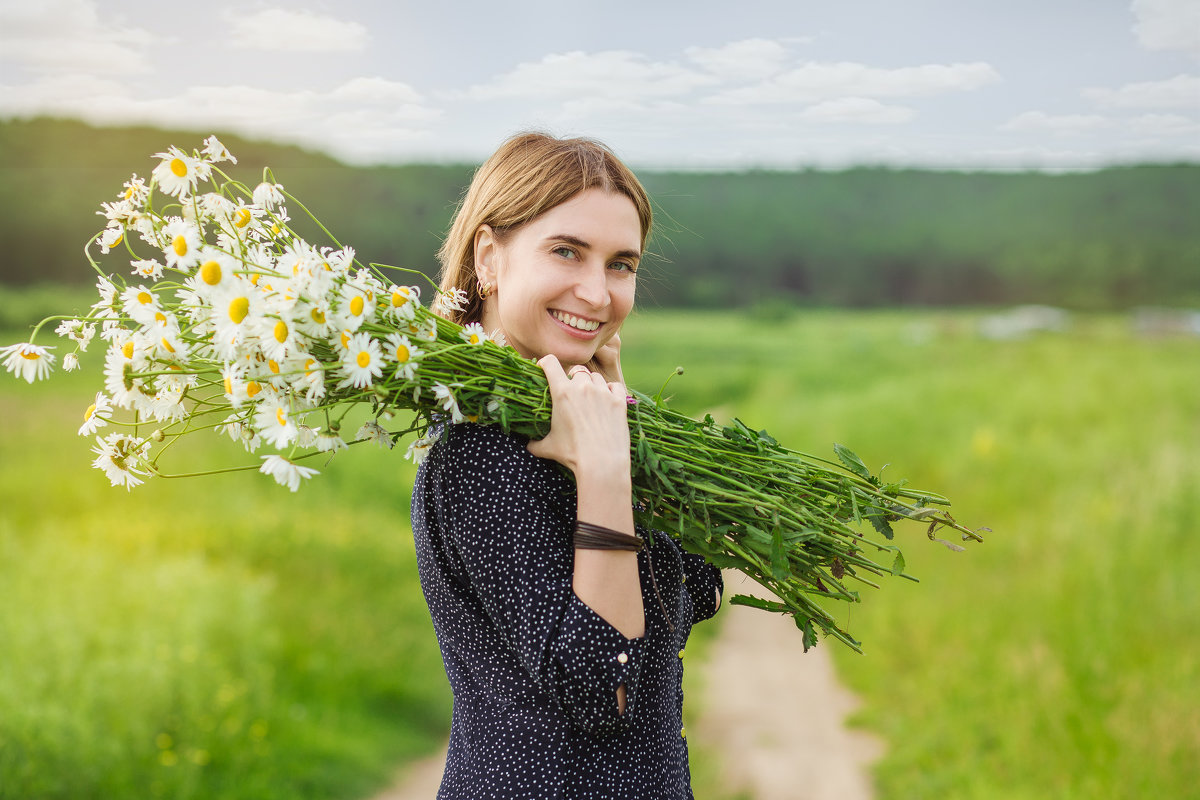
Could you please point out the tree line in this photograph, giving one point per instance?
(867, 236)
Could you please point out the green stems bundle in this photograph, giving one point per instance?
(236, 324)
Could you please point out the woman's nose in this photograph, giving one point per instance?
(591, 286)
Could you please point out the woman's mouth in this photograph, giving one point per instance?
(575, 323)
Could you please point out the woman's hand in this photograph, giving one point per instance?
(589, 428)
(607, 360)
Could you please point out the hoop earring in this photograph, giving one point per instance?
(485, 289)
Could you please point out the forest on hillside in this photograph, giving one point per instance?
(868, 236)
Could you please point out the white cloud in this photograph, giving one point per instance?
(613, 74)
(295, 31)
(67, 36)
(346, 120)
(816, 81)
(1057, 123)
(1164, 125)
(861, 110)
(1168, 24)
(748, 59)
(1182, 91)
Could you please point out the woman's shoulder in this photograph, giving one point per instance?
(468, 447)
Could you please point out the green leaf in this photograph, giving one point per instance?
(758, 602)
(879, 522)
(852, 461)
(898, 564)
(779, 562)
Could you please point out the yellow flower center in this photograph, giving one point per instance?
(167, 345)
(356, 305)
(364, 358)
(242, 218)
(180, 245)
(273, 365)
(281, 416)
(178, 167)
(308, 366)
(228, 385)
(474, 338)
(281, 331)
(129, 193)
(210, 273)
(117, 240)
(144, 298)
(252, 388)
(402, 354)
(399, 297)
(239, 307)
(345, 338)
(275, 229)
(318, 316)
(160, 318)
(90, 411)
(126, 350)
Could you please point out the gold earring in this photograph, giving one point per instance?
(485, 289)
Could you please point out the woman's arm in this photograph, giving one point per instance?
(589, 434)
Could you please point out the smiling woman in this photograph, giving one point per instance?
(562, 629)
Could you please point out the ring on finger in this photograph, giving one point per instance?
(576, 370)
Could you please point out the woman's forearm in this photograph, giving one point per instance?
(607, 580)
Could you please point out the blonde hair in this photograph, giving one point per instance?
(527, 176)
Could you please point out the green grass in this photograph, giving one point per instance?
(221, 637)
(1058, 659)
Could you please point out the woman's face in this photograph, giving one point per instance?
(563, 283)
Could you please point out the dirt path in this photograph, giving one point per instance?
(774, 711)
(778, 713)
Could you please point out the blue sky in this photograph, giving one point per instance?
(1053, 84)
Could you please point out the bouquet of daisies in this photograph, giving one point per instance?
(230, 322)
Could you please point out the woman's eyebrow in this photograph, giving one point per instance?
(582, 245)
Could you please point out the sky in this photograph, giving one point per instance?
(959, 84)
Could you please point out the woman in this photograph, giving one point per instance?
(563, 643)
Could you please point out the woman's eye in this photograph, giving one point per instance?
(565, 252)
(623, 266)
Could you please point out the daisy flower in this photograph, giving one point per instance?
(330, 442)
(404, 353)
(70, 362)
(235, 316)
(182, 241)
(141, 305)
(135, 191)
(110, 238)
(273, 420)
(214, 273)
(167, 405)
(453, 300)
(426, 330)
(28, 360)
(147, 268)
(178, 172)
(268, 195)
(418, 449)
(402, 303)
(372, 431)
(310, 378)
(340, 261)
(473, 333)
(285, 473)
(77, 331)
(217, 151)
(122, 458)
(363, 361)
(96, 415)
(355, 308)
(443, 393)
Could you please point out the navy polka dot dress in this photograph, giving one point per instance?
(533, 669)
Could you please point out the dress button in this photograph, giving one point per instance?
(681, 654)
(623, 658)
(683, 733)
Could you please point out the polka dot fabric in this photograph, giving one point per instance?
(533, 669)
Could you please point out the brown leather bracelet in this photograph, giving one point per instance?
(597, 537)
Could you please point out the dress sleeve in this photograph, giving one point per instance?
(506, 519)
(704, 584)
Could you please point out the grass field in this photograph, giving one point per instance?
(220, 637)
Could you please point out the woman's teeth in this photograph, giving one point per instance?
(576, 322)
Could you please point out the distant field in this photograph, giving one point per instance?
(220, 637)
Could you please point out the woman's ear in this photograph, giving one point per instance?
(486, 254)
